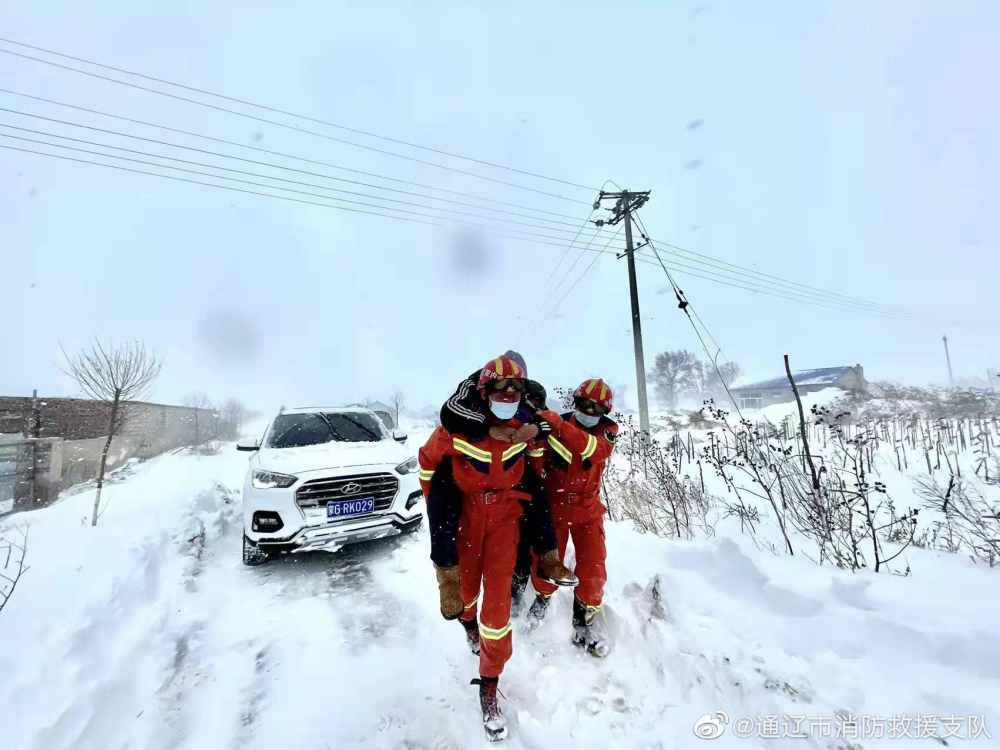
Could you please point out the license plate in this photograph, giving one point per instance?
(341, 508)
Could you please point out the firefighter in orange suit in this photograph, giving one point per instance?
(487, 472)
(578, 449)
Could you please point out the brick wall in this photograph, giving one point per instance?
(82, 419)
(70, 436)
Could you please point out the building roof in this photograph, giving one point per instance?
(818, 376)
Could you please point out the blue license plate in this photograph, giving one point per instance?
(340, 508)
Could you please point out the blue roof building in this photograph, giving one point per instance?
(777, 390)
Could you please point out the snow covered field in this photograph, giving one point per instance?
(148, 632)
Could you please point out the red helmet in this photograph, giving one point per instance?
(598, 391)
(501, 373)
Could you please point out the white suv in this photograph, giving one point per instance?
(326, 477)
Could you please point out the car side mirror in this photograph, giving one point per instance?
(399, 435)
(248, 445)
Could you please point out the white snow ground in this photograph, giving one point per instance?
(148, 632)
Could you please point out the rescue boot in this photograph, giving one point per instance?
(551, 570)
(494, 721)
(450, 592)
(518, 584)
(586, 634)
(472, 634)
(537, 610)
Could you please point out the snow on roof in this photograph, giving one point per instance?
(818, 376)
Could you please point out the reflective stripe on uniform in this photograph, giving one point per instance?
(537, 453)
(472, 604)
(592, 608)
(493, 634)
(471, 451)
(426, 474)
(561, 449)
(514, 450)
(591, 447)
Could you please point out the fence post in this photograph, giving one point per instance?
(34, 427)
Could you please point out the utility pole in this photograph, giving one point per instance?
(627, 203)
(951, 378)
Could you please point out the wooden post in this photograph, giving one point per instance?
(802, 426)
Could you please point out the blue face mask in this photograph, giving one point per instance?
(504, 409)
(586, 420)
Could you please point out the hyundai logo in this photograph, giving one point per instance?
(350, 488)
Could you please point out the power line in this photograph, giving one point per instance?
(687, 308)
(752, 285)
(778, 280)
(890, 312)
(303, 159)
(564, 276)
(293, 127)
(791, 294)
(539, 239)
(553, 273)
(598, 255)
(726, 280)
(299, 116)
(772, 293)
(252, 174)
(293, 200)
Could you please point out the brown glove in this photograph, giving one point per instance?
(450, 590)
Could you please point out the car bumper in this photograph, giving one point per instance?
(339, 534)
(308, 527)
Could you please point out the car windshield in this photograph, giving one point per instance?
(298, 430)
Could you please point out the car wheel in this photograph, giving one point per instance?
(253, 554)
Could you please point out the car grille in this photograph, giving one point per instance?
(319, 492)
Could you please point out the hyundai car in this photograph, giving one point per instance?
(324, 477)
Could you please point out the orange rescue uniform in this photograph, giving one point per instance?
(575, 461)
(486, 471)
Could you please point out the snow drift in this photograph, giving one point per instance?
(147, 632)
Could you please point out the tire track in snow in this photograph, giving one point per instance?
(259, 628)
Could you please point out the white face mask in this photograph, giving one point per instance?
(504, 409)
(586, 420)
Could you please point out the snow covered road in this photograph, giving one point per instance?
(148, 632)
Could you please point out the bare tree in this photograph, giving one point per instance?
(397, 402)
(117, 376)
(673, 373)
(11, 572)
(233, 415)
(199, 402)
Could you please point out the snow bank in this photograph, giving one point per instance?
(148, 632)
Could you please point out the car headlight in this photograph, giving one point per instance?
(269, 480)
(408, 467)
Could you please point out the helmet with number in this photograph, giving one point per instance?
(501, 374)
(595, 396)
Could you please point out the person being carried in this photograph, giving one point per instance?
(467, 412)
(579, 447)
(487, 472)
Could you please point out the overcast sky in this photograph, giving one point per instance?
(850, 146)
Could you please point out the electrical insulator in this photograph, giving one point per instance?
(597, 204)
(599, 222)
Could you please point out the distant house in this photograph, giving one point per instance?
(777, 390)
